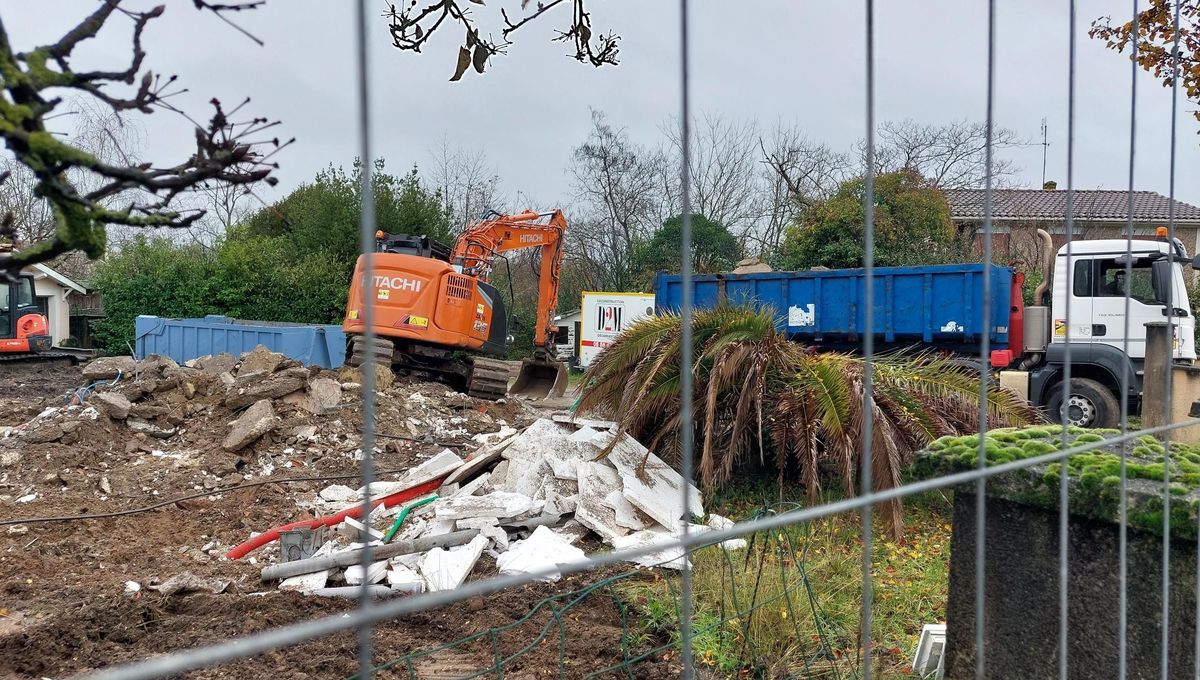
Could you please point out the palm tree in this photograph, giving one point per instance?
(758, 392)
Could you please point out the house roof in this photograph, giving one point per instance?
(59, 278)
(1090, 204)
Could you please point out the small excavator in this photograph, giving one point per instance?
(436, 315)
(24, 331)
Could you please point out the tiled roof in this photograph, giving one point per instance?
(1039, 204)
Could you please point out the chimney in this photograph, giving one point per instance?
(1050, 185)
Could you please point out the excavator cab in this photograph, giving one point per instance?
(23, 329)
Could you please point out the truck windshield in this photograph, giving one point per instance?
(1111, 282)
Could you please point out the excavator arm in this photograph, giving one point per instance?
(475, 250)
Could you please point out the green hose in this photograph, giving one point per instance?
(391, 533)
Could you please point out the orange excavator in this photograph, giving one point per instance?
(437, 316)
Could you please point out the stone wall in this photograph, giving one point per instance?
(1021, 596)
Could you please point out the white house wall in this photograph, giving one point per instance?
(59, 314)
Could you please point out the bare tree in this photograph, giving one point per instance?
(952, 155)
(618, 186)
(724, 170)
(411, 27)
(467, 181)
(798, 173)
(77, 185)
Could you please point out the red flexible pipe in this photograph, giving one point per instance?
(353, 512)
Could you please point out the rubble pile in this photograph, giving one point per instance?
(155, 426)
(531, 500)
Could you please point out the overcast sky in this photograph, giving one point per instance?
(773, 60)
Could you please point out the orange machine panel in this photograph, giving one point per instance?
(417, 298)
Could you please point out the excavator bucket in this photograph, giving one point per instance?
(540, 379)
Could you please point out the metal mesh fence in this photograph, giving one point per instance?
(770, 584)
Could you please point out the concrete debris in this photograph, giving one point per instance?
(114, 405)
(337, 493)
(260, 360)
(596, 482)
(258, 420)
(447, 569)
(322, 395)
(625, 514)
(484, 457)
(437, 467)
(668, 557)
(496, 504)
(151, 429)
(402, 579)
(187, 582)
(650, 484)
(307, 583)
(352, 592)
(108, 368)
(376, 573)
(470, 488)
(216, 365)
(543, 550)
(248, 389)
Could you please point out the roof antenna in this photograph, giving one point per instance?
(1045, 147)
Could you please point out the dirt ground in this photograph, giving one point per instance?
(64, 605)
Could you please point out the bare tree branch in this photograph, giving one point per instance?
(411, 26)
(84, 191)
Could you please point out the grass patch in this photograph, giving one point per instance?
(788, 605)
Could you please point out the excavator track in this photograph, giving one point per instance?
(489, 379)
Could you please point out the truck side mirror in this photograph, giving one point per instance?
(1161, 278)
(1196, 262)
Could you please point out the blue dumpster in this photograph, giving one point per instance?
(186, 339)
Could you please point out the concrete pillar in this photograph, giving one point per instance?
(1154, 376)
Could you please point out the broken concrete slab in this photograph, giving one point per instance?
(479, 461)
(337, 493)
(447, 569)
(470, 488)
(490, 438)
(495, 504)
(375, 573)
(216, 365)
(306, 583)
(258, 420)
(626, 515)
(43, 433)
(596, 482)
(260, 360)
(584, 422)
(113, 404)
(437, 467)
(545, 549)
(187, 582)
(151, 429)
(404, 580)
(322, 394)
(668, 557)
(247, 390)
(655, 488)
(108, 368)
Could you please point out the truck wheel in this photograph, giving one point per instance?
(1090, 404)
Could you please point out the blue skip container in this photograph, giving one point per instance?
(187, 339)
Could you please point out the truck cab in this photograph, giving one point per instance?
(1106, 332)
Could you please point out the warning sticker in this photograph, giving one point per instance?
(414, 321)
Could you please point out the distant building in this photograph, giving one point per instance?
(1098, 213)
